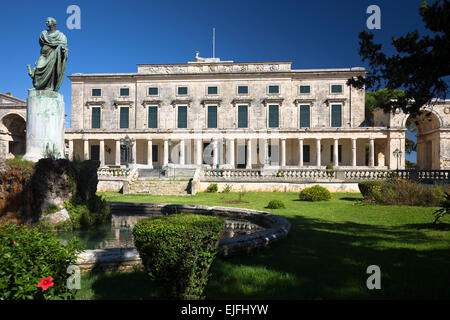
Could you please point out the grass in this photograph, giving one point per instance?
(325, 256)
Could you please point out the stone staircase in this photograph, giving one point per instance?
(160, 186)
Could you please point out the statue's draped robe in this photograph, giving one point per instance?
(51, 65)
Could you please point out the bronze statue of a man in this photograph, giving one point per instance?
(51, 65)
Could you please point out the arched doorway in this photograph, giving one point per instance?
(423, 129)
(14, 137)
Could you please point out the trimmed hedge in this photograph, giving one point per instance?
(29, 255)
(276, 204)
(213, 187)
(367, 187)
(177, 252)
(315, 193)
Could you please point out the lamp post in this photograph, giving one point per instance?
(397, 154)
(126, 142)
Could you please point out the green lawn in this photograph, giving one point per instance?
(325, 256)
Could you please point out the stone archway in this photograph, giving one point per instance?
(428, 139)
(13, 127)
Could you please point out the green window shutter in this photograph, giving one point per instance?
(124, 117)
(242, 116)
(336, 115)
(182, 90)
(306, 153)
(153, 91)
(212, 116)
(212, 90)
(273, 116)
(96, 111)
(274, 89)
(336, 88)
(96, 92)
(242, 89)
(305, 89)
(124, 91)
(182, 117)
(153, 117)
(304, 116)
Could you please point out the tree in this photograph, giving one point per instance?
(421, 66)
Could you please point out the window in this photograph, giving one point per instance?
(95, 153)
(306, 153)
(96, 92)
(305, 89)
(124, 91)
(274, 89)
(212, 116)
(154, 153)
(124, 117)
(182, 91)
(304, 116)
(273, 116)
(336, 115)
(153, 91)
(242, 116)
(242, 89)
(153, 117)
(336, 88)
(96, 111)
(332, 153)
(212, 90)
(182, 117)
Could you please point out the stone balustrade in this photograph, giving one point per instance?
(113, 172)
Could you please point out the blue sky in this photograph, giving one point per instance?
(117, 35)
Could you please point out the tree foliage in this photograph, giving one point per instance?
(421, 66)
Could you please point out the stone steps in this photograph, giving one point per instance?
(160, 187)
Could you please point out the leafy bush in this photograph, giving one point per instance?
(213, 187)
(177, 252)
(227, 188)
(445, 210)
(52, 208)
(19, 163)
(93, 212)
(315, 193)
(276, 204)
(330, 166)
(398, 191)
(28, 255)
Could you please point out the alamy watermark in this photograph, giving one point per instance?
(374, 20)
(74, 20)
(374, 280)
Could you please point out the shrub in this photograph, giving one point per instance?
(330, 166)
(52, 208)
(19, 163)
(315, 193)
(227, 188)
(28, 255)
(177, 252)
(276, 204)
(402, 192)
(213, 187)
(445, 210)
(93, 212)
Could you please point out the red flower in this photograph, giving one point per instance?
(14, 243)
(45, 283)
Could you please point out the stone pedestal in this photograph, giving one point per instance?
(45, 125)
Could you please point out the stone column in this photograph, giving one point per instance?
(102, 153)
(318, 153)
(198, 152)
(215, 153)
(249, 154)
(182, 156)
(354, 152)
(371, 153)
(150, 153)
(117, 163)
(283, 152)
(166, 153)
(300, 152)
(266, 152)
(230, 152)
(86, 149)
(134, 152)
(336, 153)
(71, 150)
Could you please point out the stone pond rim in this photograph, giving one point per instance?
(276, 228)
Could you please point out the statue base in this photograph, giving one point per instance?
(45, 125)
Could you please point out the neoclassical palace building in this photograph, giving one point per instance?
(225, 114)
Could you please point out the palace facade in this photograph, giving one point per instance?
(225, 114)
